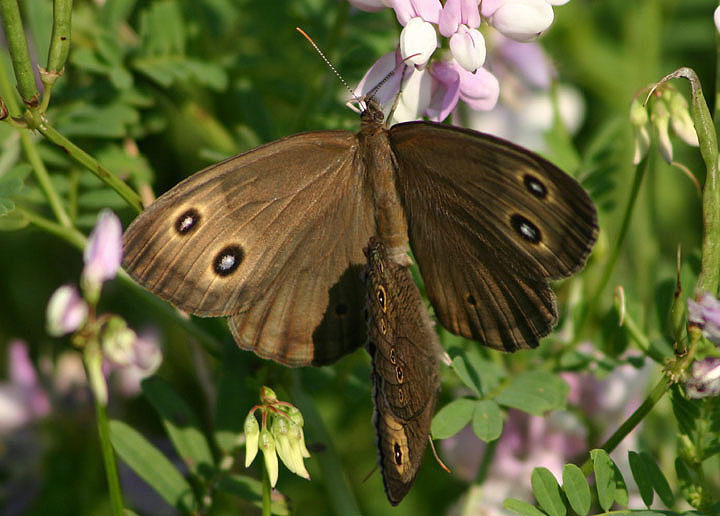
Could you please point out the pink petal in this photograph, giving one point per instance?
(390, 62)
(103, 252)
(446, 91)
(479, 90)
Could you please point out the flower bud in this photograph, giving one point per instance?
(267, 445)
(102, 255)
(680, 119)
(522, 20)
(468, 48)
(419, 40)
(704, 379)
(118, 342)
(252, 435)
(640, 121)
(66, 311)
(660, 117)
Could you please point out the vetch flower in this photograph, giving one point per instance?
(418, 41)
(145, 359)
(267, 445)
(118, 342)
(22, 398)
(521, 20)
(252, 436)
(641, 128)
(660, 118)
(284, 438)
(66, 311)
(459, 20)
(103, 254)
(705, 314)
(406, 10)
(680, 120)
(704, 379)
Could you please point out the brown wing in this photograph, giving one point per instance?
(490, 223)
(403, 346)
(273, 238)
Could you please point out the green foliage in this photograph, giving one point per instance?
(158, 89)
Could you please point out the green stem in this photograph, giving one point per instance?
(266, 491)
(59, 47)
(33, 157)
(92, 356)
(716, 116)
(36, 121)
(631, 422)
(69, 234)
(640, 171)
(17, 46)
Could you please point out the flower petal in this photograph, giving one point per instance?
(523, 20)
(66, 311)
(468, 48)
(103, 252)
(414, 98)
(418, 40)
(479, 90)
(445, 91)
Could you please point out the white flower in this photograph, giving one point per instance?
(468, 48)
(418, 40)
(523, 20)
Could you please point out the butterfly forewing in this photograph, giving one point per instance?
(489, 224)
(266, 237)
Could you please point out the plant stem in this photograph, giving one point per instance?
(632, 421)
(36, 121)
(640, 171)
(59, 48)
(33, 157)
(69, 234)
(266, 491)
(92, 357)
(17, 46)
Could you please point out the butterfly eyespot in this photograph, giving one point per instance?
(228, 260)
(526, 229)
(187, 221)
(399, 374)
(401, 396)
(341, 309)
(381, 295)
(398, 454)
(534, 186)
(383, 326)
(393, 359)
(470, 299)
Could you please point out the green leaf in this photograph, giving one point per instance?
(181, 425)
(487, 420)
(547, 492)
(152, 466)
(638, 467)
(576, 489)
(250, 489)
(11, 182)
(477, 373)
(522, 507)
(621, 493)
(109, 121)
(452, 418)
(604, 478)
(643, 467)
(535, 392)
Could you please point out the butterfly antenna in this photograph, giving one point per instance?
(327, 62)
(442, 464)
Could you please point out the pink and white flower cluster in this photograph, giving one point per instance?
(433, 89)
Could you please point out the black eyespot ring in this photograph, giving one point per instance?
(534, 186)
(228, 260)
(470, 299)
(398, 454)
(187, 222)
(381, 297)
(399, 374)
(525, 229)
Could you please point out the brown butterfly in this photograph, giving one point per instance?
(273, 238)
(404, 347)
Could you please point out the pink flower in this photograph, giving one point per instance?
(521, 20)
(459, 21)
(405, 10)
(706, 314)
(704, 378)
(66, 311)
(103, 252)
(22, 399)
(418, 41)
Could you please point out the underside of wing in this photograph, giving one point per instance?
(268, 237)
(490, 223)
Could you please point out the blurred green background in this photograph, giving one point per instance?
(159, 89)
